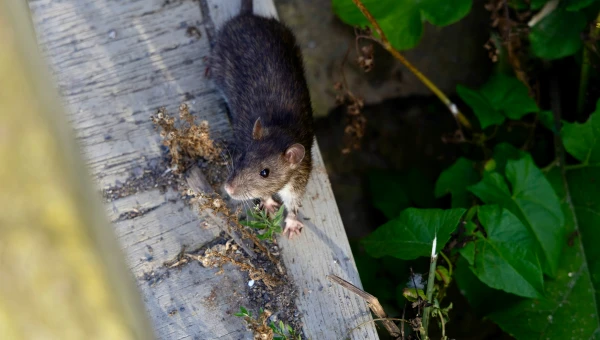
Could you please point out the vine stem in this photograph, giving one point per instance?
(585, 70)
(430, 281)
(396, 54)
(443, 325)
(447, 261)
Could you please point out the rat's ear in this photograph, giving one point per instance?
(294, 154)
(258, 131)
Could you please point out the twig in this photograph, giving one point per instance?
(430, 282)
(548, 8)
(461, 119)
(372, 302)
(402, 325)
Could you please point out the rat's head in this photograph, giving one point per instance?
(265, 166)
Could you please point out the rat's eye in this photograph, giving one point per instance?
(264, 173)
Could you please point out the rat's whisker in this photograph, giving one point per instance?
(229, 162)
(244, 201)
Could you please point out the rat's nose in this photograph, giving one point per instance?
(228, 188)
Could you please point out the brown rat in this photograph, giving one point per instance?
(258, 67)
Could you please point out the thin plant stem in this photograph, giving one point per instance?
(576, 166)
(585, 70)
(550, 166)
(448, 261)
(430, 283)
(443, 325)
(461, 119)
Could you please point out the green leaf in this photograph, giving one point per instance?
(558, 34)
(575, 5)
(480, 105)
(481, 297)
(529, 4)
(505, 259)
(533, 201)
(547, 119)
(537, 4)
(570, 309)
(455, 181)
(279, 215)
(501, 96)
(402, 21)
(570, 5)
(582, 140)
(243, 312)
(253, 224)
(509, 95)
(584, 188)
(411, 234)
(503, 152)
(413, 294)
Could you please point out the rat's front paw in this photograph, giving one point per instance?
(293, 227)
(270, 206)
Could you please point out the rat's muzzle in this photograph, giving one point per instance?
(229, 189)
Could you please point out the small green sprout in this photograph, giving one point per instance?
(243, 313)
(260, 220)
(281, 331)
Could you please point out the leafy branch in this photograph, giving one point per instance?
(514, 255)
(462, 120)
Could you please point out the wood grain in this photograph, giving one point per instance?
(116, 63)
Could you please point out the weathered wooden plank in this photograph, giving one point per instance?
(115, 63)
(62, 274)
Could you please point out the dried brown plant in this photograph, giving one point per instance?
(186, 142)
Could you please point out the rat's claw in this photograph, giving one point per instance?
(293, 227)
(270, 205)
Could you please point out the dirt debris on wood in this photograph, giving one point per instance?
(155, 175)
